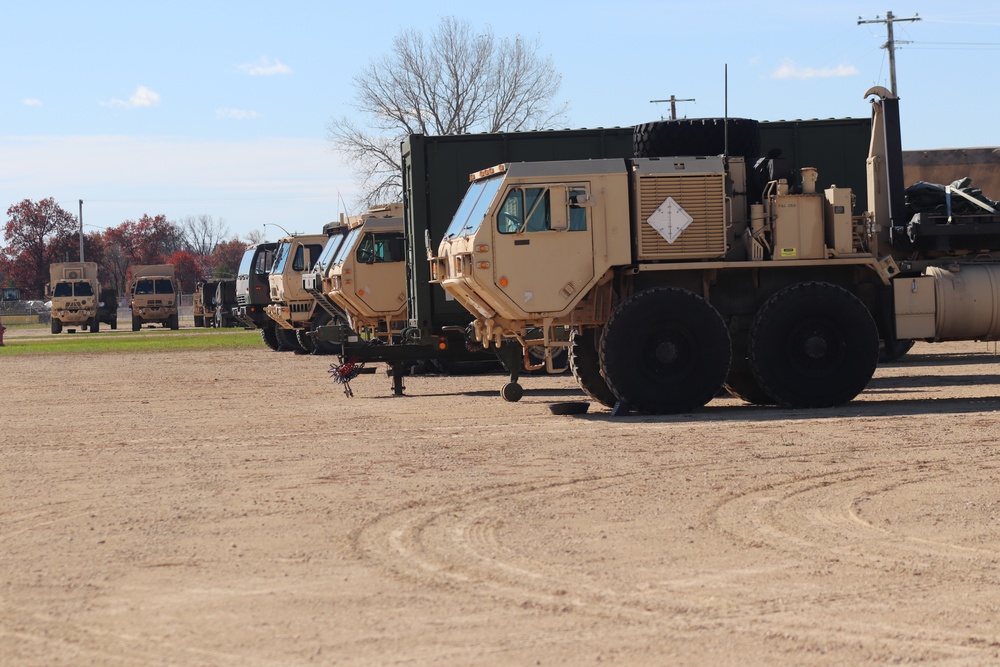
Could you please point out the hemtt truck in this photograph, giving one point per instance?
(154, 294)
(291, 307)
(678, 275)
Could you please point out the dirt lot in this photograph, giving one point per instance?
(238, 509)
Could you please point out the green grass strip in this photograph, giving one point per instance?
(161, 341)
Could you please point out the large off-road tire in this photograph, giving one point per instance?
(305, 341)
(199, 321)
(813, 345)
(95, 325)
(741, 383)
(173, 322)
(114, 322)
(585, 364)
(56, 326)
(136, 323)
(269, 335)
(286, 339)
(697, 136)
(665, 350)
(323, 319)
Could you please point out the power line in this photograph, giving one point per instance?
(890, 44)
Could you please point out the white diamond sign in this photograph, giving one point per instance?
(669, 219)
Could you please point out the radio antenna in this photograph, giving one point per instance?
(725, 119)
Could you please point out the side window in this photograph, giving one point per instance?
(314, 253)
(524, 209)
(577, 213)
(299, 263)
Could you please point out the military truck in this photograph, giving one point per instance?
(75, 291)
(367, 276)
(253, 292)
(292, 308)
(154, 295)
(680, 275)
(201, 303)
(436, 175)
(224, 300)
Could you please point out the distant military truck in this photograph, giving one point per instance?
(253, 292)
(74, 290)
(292, 308)
(224, 301)
(154, 294)
(204, 312)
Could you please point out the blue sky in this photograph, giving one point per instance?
(220, 108)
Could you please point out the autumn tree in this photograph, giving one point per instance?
(186, 270)
(226, 258)
(456, 80)
(149, 240)
(31, 227)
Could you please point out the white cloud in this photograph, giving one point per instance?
(266, 68)
(142, 97)
(31, 102)
(236, 114)
(789, 70)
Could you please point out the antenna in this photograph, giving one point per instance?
(725, 112)
(890, 43)
(274, 224)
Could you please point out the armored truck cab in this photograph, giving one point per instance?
(292, 307)
(154, 296)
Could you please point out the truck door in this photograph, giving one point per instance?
(543, 246)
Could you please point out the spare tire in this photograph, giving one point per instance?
(697, 136)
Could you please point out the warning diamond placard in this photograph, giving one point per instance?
(669, 219)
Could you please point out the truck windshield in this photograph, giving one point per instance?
(257, 260)
(144, 286)
(280, 257)
(329, 251)
(63, 289)
(83, 289)
(473, 208)
(346, 246)
(163, 286)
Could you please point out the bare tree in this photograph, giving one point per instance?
(202, 233)
(457, 80)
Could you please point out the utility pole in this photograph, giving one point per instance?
(891, 42)
(673, 105)
(81, 230)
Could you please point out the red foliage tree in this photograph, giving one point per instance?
(150, 240)
(226, 258)
(187, 270)
(31, 227)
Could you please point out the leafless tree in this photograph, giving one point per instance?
(457, 80)
(202, 233)
(255, 236)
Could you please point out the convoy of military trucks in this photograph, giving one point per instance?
(667, 262)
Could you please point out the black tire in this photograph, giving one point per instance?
(270, 337)
(741, 383)
(697, 136)
(305, 341)
(95, 325)
(56, 326)
(199, 321)
(173, 322)
(286, 339)
(323, 319)
(114, 323)
(895, 351)
(136, 323)
(512, 392)
(813, 345)
(585, 364)
(665, 350)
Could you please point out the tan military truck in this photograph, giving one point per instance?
(678, 275)
(292, 308)
(75, 291)
(367, 276)
(202, 303)
(154, 295)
